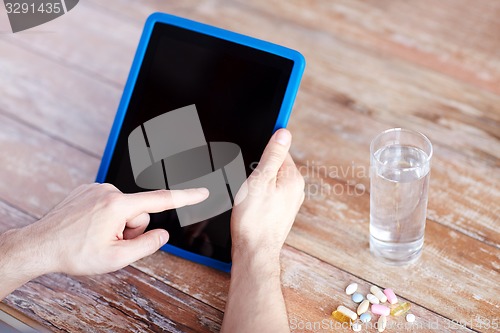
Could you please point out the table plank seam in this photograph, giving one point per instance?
(110, 11)
(171, 286)
(95, 75)
(42, 131)
(261, 13)
(369, 282)
(19, 209)
(345, 101)
(454, 228)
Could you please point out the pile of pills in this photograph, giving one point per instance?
(374, 302)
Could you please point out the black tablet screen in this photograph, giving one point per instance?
(237, 91)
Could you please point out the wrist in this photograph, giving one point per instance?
(263, 260)
(27, 252)
(18, 265)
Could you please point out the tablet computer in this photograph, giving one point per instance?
(198, 109)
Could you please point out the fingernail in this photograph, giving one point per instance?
(283, 137)
(203, 190)
(164, 237)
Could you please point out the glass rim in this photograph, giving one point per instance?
(399, 129)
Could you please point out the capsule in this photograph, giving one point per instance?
(363, 307)
(372, 299)
(391, 296)
(340, 317)
(378, 293)
(380, 309)
(400, 309)
(351, 289)
(347, 312)
(381, 323)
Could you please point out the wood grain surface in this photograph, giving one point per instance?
(431, 66)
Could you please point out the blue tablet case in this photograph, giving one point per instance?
(282, 120)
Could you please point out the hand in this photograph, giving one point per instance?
(267, 203)
(263, 214)
(97, 229)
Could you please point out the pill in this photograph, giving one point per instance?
(378, 293)
(381, 323)
(351, 289)
(400, 309)
(391, 296)
(380, 309)
(347, 312)
(365, 317)
(357, 297)
(410, 317)
(363, 307)
(356, 327)
(340, 317)
(372, 299)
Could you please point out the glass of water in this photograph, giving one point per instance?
(399, 182)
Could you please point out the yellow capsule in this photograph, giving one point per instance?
(400, 309)
(338, 316)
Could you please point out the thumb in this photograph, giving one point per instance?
(274, 155)
(143, 245)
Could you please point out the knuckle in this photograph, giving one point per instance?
(112, 200)
(108, 187)
(165, 194)
(275, 155)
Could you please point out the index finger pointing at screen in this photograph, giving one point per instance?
(161, 200)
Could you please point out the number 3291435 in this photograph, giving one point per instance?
(24, 8)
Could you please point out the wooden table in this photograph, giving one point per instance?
(431, 66)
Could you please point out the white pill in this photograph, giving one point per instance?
(351, 289)
(347, 312)
(363, 307)
(356, 327)
(381, 323)
(410, 317)
(372, 299)
(378, 293)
